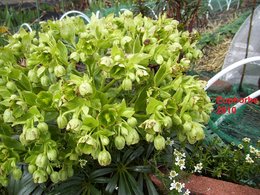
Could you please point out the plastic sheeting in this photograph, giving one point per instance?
(237, 51)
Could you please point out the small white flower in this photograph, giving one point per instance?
(179, 186)
(252, 149)
(249, 159)
(240, 146)
(246, 139)
(187, 192)
(198, 167)
(173, 174)
(181, 164)
(82, 162)
(173, 185)
(257, 153)
(169, 142)
(177, 154)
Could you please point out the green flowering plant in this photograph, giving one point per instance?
(77, 91)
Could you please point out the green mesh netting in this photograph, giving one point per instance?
(244, 123)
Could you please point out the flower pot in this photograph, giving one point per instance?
(201, 185)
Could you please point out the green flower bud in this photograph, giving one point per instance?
(187, 117)
(181, 136)
(187, 126)
(22, 139)
(74, 56)
(49, 170)
(35, 41)
(52, 154)
(107, 61)
(132, 138)
(45, 81)
(119, 142)
(17, 173)
(40, 176)
(159, 59)
(42, 126)
(191, 135)
(63, 175)
(2, 82)
(159, 142)
(59, 71)
(31, 168)
(127, 84)
(85, 88)
(8, 116)
(205, 117)
(176, 119)
(74, 157)
(62, 122)
(4, 182)
(149, 137)
(126, 39)
(54, 177)
(32, 76)
(104, 158)
(31, 134)
(168, 28)
(70, 171)
(117, 58)
(74, 124)
(200, 134)
(41, 161)
(124, 131)
(132, 121)
(11, 86)
(104, 140)
(167, 122)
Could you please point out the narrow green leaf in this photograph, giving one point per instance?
(135, 154)
(111, 186)
(133, 184)
(150, 187)
(141, 168)
(100, 172)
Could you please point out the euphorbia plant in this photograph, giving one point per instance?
(76, 91)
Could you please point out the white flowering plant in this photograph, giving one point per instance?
(238, 163)
(73, 94)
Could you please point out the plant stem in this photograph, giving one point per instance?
(108, 85)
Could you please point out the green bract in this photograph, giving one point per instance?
(76, 90)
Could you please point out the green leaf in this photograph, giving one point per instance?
(90, 121)
(150, 187)
(4, 92)
(137, 45)
(111, 186)
(44, 100)
(141, 168)
(100, 172)
(123, 187)
(29, 97)
(63, 52)
(133, 184)
(12, 143)
(140, 103)
(138, 152)
(153, 105)
(24, 81)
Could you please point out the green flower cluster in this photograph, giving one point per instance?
(76, 91)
